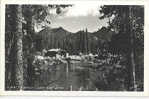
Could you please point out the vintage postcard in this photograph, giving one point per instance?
(74, 47)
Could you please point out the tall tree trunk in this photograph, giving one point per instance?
(28, 49)
(132, 50)
(126, 29)
(19, 52)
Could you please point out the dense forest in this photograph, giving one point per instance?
(119, 46)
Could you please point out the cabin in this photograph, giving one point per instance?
(55, 53)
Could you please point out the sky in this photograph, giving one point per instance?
(78, 17)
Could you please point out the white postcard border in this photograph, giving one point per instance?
(75, 93)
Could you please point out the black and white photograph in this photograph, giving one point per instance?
(74, 47)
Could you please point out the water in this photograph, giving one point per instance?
(73, 76)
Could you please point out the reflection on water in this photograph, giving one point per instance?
(73, 76)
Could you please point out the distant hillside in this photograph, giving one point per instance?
(53, 38)
(104, 34)
(81, 41)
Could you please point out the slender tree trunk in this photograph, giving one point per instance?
(19, 52)
(132, 49)
(127, 29)
(28, 68)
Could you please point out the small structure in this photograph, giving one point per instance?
(56, 53)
